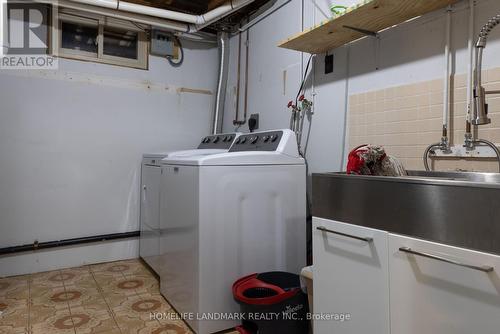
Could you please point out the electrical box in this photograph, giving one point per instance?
(328, 64)
(253, 122)
(162, 44)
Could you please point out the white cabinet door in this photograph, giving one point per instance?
(150, 196)
(429, 295)
(350, 277)
(149, 243)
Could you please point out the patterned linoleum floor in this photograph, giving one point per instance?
(116, 297)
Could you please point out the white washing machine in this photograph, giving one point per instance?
(228, 215)
(149, 244)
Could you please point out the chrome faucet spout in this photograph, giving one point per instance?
(480, 107)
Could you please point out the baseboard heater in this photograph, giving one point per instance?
(68, 242)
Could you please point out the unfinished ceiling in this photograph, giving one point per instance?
(199, 7)
(232, 21)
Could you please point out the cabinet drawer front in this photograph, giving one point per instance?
(351, 277)
(442, 289)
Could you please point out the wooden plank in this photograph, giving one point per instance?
(193, 91)
(372, 15)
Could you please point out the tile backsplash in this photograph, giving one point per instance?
(406, 119)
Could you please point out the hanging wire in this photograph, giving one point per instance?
(139, 26)
(178, 62)
(302, 84)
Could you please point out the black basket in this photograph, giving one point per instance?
(272, 303)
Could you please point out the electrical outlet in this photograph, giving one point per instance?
(253, 122)
(328, 64)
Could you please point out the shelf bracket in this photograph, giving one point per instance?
(362, 31)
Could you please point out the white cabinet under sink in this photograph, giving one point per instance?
(400, 285)
(429, 295)
(350, 277)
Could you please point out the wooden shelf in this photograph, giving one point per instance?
(370, 15)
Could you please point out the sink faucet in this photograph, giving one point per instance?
(480, 107)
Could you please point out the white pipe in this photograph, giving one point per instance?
(470, 66)
(157, 22)
(152, 11)
(152, 16)
(447, 90)
(113, 4)
(220, 96)
(215, 13)
(210, 18)
(196, 22)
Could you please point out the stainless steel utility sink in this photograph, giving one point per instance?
(455, 176)
(457, 208)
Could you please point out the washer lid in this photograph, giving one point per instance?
(211, 144)
(182, 153)
(235, 159)
(158, 155)
(194, 152)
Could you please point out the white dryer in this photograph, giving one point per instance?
(149, 243)
(228, 215)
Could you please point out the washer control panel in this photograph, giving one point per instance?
(220, 141)
(262, 141)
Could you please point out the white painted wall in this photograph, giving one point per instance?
(70, 151)
(411, 52)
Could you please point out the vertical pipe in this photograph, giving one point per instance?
(470, 77)
(236, 120)
(447, 90)
(470, 65)
(247, 54)
(220, 98)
